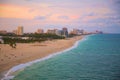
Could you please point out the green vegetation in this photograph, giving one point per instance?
(34, 35)
(30, 38)
(12, 44)
(8, 34)
(12, 39)
(46, 36)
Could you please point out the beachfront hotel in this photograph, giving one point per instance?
(20, 30)
(51, 31)
(77, 32)
(65, 32)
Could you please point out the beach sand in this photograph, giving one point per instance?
(26, 52)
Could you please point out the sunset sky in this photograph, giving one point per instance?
(90, 15)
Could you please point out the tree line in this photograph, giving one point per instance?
(12, 39)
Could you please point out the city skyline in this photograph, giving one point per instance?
(89, 15)
(20, 31)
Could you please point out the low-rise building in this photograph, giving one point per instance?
(50, 31)
(25, 38)
(40, 31)
(1, 40)
(3, 32)
(15, 31)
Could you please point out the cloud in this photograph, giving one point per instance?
(117, 1)
(107, 20)
(63, 17)
(116, 5)
(31, 10)
(91, 14)
(99, 19)
(28, 0)
(40, 17)
(13, 11)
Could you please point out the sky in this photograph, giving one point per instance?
(89, 15)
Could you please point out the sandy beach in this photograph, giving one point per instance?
(26, 52)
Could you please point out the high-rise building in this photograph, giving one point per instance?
(59, 32)
(20, 30)
(77, 32)
(65, 32)
(82, 31)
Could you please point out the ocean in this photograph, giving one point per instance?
(96, 57)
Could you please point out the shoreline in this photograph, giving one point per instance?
(22, 65)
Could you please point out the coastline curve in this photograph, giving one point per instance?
(8, 75)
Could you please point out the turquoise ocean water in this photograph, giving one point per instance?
(95, 58)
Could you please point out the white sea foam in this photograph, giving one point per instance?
(8, 75)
